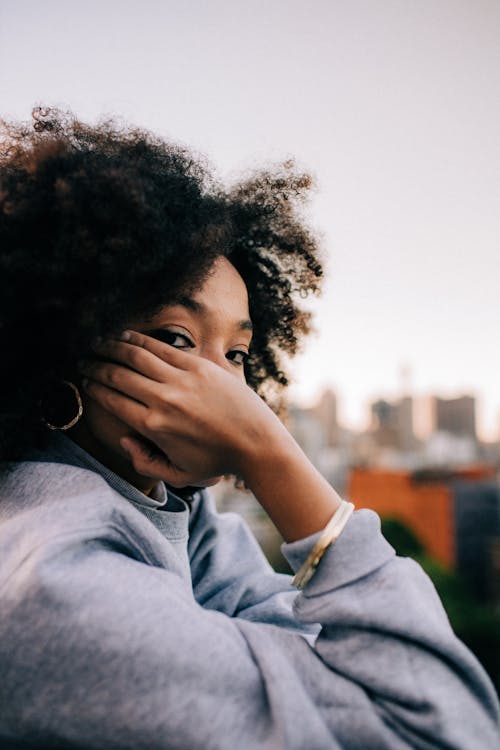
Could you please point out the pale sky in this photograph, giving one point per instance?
(393, 105)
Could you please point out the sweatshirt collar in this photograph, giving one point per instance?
(63, 450)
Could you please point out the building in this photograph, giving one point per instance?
(392, 423)
(307, 430)
(456, 416)
(455, 514)
(325, 412)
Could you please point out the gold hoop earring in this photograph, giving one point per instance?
(76, 418)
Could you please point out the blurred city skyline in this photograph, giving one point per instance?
(424, 420)
(392, 106)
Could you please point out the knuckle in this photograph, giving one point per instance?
(137, 339)
(198, 366)
(152, 422)
(164, 398)
(136, 358)
(205, 373)
(112, 376)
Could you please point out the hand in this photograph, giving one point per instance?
(204, 421)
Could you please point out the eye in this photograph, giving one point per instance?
(237, 357)
(173, 338)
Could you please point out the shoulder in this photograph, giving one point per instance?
(51, 506)
(39, 488)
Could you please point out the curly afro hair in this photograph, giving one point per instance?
(104, 224)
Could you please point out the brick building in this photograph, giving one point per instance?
(455, 514)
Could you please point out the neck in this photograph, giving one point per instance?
(82, 436)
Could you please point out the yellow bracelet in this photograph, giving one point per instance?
(330, 533)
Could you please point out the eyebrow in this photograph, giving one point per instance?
(198, 307)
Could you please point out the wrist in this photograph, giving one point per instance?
(268, 451)
(295, 495)
(261, 443)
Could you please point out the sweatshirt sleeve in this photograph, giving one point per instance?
(384, 627)
(230, 573)
(101, 649)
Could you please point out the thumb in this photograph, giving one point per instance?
(149, 461)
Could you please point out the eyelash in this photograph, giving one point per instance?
(244, 357)
(168, 337)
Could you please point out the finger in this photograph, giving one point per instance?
(149, 461)
(134, 357)
(131, 412)
(167, 353)
(121, 379)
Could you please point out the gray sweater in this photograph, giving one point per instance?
(128, 622)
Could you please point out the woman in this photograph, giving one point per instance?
(142, 311)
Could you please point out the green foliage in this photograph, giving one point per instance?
(404, 541)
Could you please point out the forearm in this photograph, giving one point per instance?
(297, 498)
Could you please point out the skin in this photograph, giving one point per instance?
(192, 404)
(214, 324)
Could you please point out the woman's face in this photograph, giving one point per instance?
(213, 323)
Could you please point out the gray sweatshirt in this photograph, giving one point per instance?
(134, 622)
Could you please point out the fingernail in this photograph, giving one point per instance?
(125, 336)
